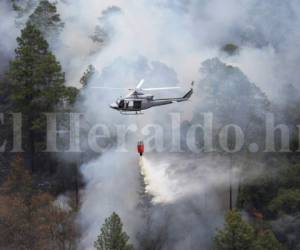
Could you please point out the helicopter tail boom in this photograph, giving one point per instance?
(188, 94)
(186, 97)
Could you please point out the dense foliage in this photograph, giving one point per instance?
(31, 182)
(112, 236)
(29, 218)
(240, 235)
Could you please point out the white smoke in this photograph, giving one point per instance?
(8, 33)
(163, 41)
(172, 178)
(112, 184)
(63, 202)
(179, 36)
(179, 33)
(184, 34)
(189, 195)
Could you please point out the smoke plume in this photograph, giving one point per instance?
(164, 42)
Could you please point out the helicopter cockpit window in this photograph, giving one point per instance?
(121, 103)
(130, 104)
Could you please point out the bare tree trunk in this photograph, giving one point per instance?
(76, 188)
(31, 146)
(230, 185)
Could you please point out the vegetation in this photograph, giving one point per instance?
(46, 19)
(22, 6)
(112, 236)
(275, 198)
(237, 234)
(29, 219)
(87, 75)
(34, 84)
(230, 48)
(240, 235)
(37, 86)
(104, 29)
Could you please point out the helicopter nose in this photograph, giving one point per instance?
(114, 105)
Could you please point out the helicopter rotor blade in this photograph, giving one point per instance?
(109, 88)
(140, 84)
(163, 88)
(130, 93)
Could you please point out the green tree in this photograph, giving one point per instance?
(230, 49)
(22, 6)
(240, 235)
(287, 201)
(266, 240)
(112, 236)
(87, 75)
(46, 18)
(290, 177)
(274, 194)
(257, 194)
(225, 92)
(37, 85)
(105, 29)
(236, 235)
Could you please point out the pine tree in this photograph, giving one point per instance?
(226, 92)
(267, 241)
(46, 19)
(37, 84)
(22, 6)
(236, 235)
(104, 30)
(239, 235)
(87, 75)
(112, 236)
(287, 201)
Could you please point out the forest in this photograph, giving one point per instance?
(70, 176)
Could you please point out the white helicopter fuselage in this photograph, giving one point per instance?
(138, 101)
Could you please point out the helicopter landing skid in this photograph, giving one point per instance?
(131, 113)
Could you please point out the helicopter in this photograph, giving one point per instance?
(137, 101)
